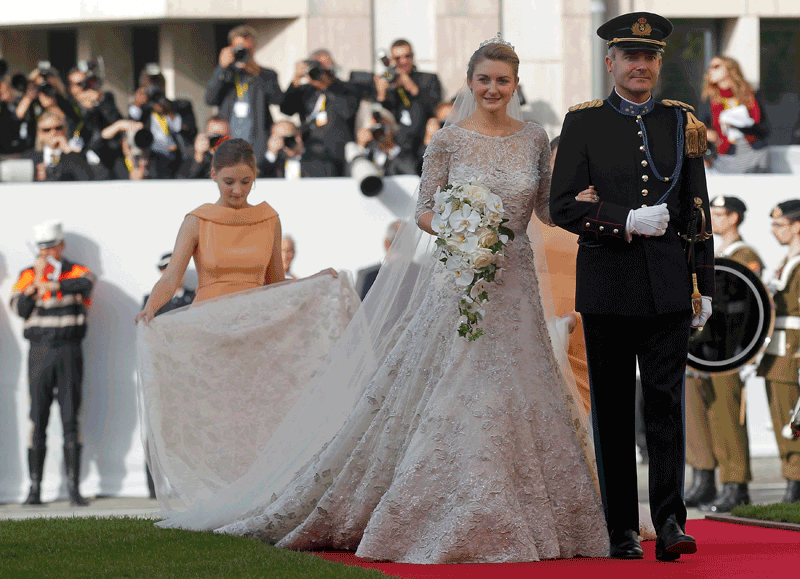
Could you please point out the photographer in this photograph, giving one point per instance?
(130, 142)
(408, 94)
(217, 129)
(12, 139)
(243, 90)
(378, 144)
(152, 89)
(327, 108)
(54, 158)
(284, 151)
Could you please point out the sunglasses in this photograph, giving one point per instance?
(48, 129)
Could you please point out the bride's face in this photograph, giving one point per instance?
(234, 184)
(493, 84)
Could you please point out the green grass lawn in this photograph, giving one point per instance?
(780, 512)
(126, 548)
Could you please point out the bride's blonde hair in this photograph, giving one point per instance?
(494, 51)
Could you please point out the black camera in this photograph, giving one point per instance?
(241, 54)
(390, 74)
(213, 140)
(90, 82)
(20, 82)
(290, 141)
(93, 74)
(46, 88)
(315, 69)
(156, 96)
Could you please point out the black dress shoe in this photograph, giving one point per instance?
(792, 494)
(703, 489)
(672, 542)
(733, 495)
(625, 545)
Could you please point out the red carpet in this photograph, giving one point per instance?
(725, 550)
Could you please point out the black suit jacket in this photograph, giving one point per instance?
(602, 147)
(70, 167)
(420, 109)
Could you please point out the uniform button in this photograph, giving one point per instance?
(644, 204)
(601, 228)
(638, 116)
(645, 178)
(588, 224)
(639, 133)
(641, 148)
(666, 179)
(616, 231)
(644, 163)
(645, 192)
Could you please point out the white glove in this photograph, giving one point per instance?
(647, 221)
(737, 116)
(700, 320)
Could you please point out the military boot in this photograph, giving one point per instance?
(702, 490)
(732, 495)
(792, 492)
(35, 468)
(72, 461)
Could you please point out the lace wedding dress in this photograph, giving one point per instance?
(453, 451)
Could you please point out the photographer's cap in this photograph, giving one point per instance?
(730, 203)
(48, 234)
(636, 31)
(152, 69)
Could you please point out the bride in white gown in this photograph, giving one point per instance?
(412, 444)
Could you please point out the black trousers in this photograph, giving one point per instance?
(613, 344)
(55, 370)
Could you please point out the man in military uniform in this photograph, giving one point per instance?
(634, 286)
(52, 296)
(781, 360)
(715, 435)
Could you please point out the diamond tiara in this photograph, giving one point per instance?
(497, 40)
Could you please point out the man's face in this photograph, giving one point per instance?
(54, 251)
(50, 129)
(74, 80)
(722, 220)
(220, 128)
(635, 72)
(403, 58)
(785, 230)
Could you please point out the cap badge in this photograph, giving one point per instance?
(719, 201)
(641, 28)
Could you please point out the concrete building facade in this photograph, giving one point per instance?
(561, 57)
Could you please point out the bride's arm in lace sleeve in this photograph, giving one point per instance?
(541, 204)
(435, 171)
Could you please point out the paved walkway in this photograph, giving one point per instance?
(767, 487)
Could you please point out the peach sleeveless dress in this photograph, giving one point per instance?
(239, 249)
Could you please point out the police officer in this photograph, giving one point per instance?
(781, 360)
(52, 296)
(634, 287)
(715, 435)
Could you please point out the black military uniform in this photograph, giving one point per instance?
(328, 123)
(55, 325)
(635, 296)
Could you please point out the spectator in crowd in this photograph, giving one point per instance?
(54, 159)
(217, 129)
(11, 138)
(327, 108)
(152, 85)
(52, 296)
(284, 152)
(287, 255)
(735, 116)
(41, 91)
(436, 122)
(128, 141)
(243, 90)
(379, 145)
(366, 277)
(410, 95)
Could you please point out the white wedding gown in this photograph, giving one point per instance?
(445, 451)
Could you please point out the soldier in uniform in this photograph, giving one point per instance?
(715, 435)
(635, 289)
(781, 360)
(52, 296)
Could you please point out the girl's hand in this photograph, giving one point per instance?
(145, 315)
(588, 195)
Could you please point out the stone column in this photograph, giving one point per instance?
(113, 43)
(741, 39)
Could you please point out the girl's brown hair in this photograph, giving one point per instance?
(494, 51)
(232, 152)
(742, 90)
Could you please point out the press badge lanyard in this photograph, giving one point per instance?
(241, 89)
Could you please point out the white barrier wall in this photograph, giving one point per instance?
(119, 230)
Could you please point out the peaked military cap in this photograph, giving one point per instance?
(730, 203)
(636, 31)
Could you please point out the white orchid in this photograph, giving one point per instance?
(464, 275)
(464, 218)
(439, 224)
(494, 203)
(466, 242)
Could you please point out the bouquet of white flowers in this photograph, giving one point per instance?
(471, 234)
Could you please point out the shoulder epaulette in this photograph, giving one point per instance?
(678, 104)
(587, 105)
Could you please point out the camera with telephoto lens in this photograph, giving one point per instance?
(92, 71)
(315, 69)
(46, 72)
(140, 142)
(241, 54)
(390, 74)
(156, 96)
(290, 142)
